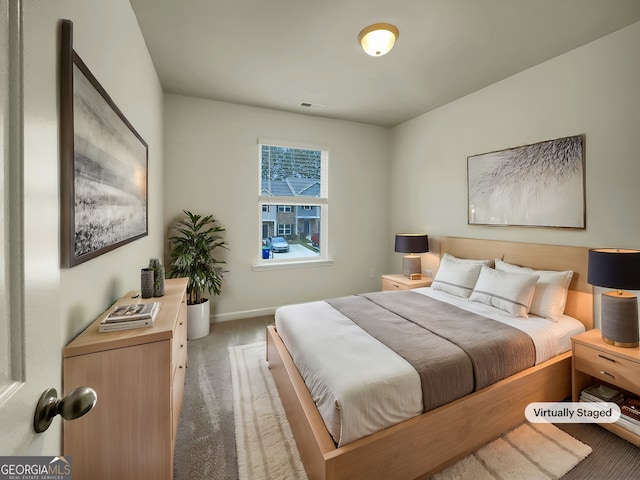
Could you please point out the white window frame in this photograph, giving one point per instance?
(284, 229)
(270, 200)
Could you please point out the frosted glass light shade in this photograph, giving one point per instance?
(378, 39)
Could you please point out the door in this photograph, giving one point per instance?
(29, 319)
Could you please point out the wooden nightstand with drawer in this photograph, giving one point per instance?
(400, 282)
(595, 361)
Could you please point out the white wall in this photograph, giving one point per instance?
(211, 166)
(591, 90)
(108, 39)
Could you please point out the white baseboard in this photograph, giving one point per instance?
(225, 317)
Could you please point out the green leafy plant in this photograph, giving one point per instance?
(192, 248)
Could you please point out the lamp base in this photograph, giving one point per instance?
(619, 344)
(620, 319)
(411, 264)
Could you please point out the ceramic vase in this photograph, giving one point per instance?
(158, 282)
(146, 282)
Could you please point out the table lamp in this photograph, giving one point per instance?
(619, 269)
(411, 243)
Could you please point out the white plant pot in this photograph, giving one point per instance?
(198, 320)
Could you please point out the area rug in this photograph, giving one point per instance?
(265, 444)
(531, 451)
(267, 450)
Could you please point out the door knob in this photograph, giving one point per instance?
(74, 405)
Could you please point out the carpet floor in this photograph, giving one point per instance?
(206, 439)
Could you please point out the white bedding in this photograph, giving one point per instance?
(550, 337)
(359, 385)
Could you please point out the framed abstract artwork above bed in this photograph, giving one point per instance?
(539, 185)
(103, 165)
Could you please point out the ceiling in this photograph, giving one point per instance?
(278, 53)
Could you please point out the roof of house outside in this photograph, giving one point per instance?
(291, 187)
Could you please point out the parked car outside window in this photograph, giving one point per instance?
(279, 245)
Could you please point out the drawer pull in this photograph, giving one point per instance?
(607, 358)
(607, 374)
(396, 285)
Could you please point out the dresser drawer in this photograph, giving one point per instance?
(608, 367)
(177, 392)
(179, 344)
(391, 285)
(179, 340)
(179, 360)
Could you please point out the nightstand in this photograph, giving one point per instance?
(400, 282)
(594, 360)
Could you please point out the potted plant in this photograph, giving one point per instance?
(192, 247)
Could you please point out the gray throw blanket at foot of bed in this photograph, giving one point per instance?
(455, 352)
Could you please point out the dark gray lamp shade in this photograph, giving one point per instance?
(614, 268)
(619, 269)
(411, 243)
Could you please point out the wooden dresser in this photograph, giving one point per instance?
(138, 375)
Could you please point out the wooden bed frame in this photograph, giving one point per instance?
(424, 445)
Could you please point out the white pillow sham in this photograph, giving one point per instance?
(457, 276)
(508, 291)
(550, 296)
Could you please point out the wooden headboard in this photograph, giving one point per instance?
(538, 256)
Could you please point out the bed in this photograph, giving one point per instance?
(428, 442)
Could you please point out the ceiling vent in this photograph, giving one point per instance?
(315, 106)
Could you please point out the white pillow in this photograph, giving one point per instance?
(508, 291)
(550, 296)
(457, 276)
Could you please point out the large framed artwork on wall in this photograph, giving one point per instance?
(104, 165)
(538, 185)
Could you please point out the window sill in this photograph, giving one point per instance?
(260, 267)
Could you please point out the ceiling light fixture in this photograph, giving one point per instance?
(378, 39)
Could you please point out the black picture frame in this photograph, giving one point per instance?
(104, 165)
(537, 185)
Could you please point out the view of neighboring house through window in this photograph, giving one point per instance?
(293, 200)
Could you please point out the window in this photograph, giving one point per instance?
(284, 229)
(293, 178)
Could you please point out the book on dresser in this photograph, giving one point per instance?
(629, 407)
(125, 317)
(628, 419)
(630, 411)
(601, 393)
